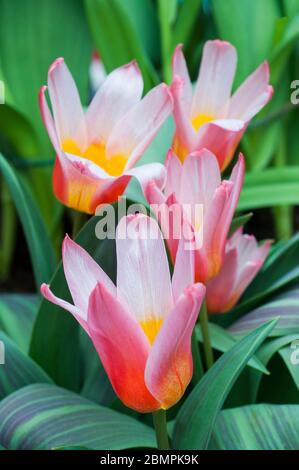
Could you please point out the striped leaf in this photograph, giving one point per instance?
(197, 416)
(265, 354)
(18, 370)
(257, 427)
(17, 315)
(39, 244)
(286, 354)
(286, 306)
(222, 340)
(45, 417)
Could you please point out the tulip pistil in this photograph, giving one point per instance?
(151, 328)
(96, 153)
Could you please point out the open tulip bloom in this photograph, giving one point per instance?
(243, 259)
(142, 327)
(197, 183)
(96, 150)
(210, 117)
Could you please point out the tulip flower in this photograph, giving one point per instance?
(142, 327)
(197, 183)
(243, 259)
(96, 150)
(210, 117)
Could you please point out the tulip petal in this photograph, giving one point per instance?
(150, 174)
(169, 367)
(174, 173)
(185, 136)
(122, 348)
(216, 75)
(220, 288)
(79, 315)
(82, 274)
(134, 132)
(67, 110)
(200, 179)
(143, 279)
(184, 266)
(179, 68)
(121, 90)
(221, 139)
(252, 95)
(47, 118)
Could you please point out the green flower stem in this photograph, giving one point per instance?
(159, 418)
(283, 215)
(79, 219)
(203, 318)
(197, 362)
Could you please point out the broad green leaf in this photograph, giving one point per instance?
(249, 25)
(186, 20)
(222, 340)
(40, 417)
(197, 416)
(238, 222)
(265, 354)
(167, 12)
(286, 355)
(291, 7)
(39, 245)
(144, 17)
(18, 370)
(270, 187)
(32, 35)
(281, 53)
(17, 315)
(116, 37)
(56, 328)
(257, 427)
(286, 306)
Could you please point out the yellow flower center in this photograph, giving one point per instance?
(97, 153)
(201, 119)
(151, 328)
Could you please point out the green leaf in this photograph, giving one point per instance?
(32, 35)
(286, 306)
(57, 328)
(243, 24)
(270, 187)
(17, 315)
(42, 416)
(117, 38)
(286, 353)
(265, 354)
(39, 245)
(223, 341)
(238, 222)
(186, 20)
(281, 53)
(19, 370)
(291, 7)
(257, 427)
(197, 416)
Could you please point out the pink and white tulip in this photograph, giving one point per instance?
(197, 183)
(243, 259)
(141, 328)
(96, 150)
(210, 117)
